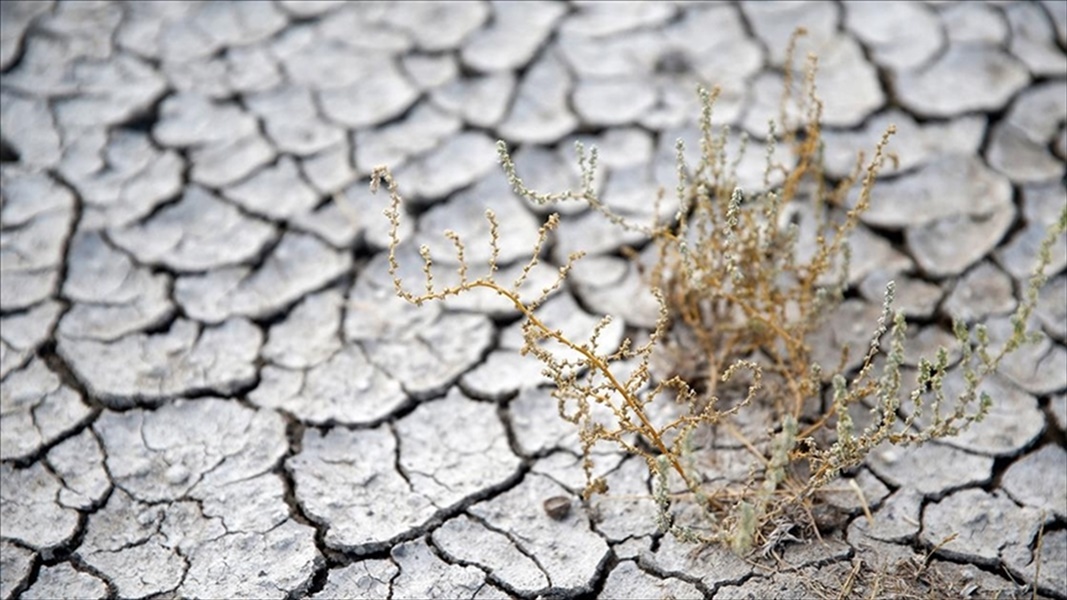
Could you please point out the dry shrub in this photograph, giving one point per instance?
(738, 309)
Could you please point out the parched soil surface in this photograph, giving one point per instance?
(209, 389)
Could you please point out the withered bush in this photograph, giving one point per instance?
(738, 310)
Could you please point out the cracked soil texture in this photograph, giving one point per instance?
(210, 390)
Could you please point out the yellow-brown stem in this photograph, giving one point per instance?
(594, 360)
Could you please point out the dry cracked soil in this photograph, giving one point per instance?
(209, 390)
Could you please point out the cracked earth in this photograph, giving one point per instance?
(209, 389)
